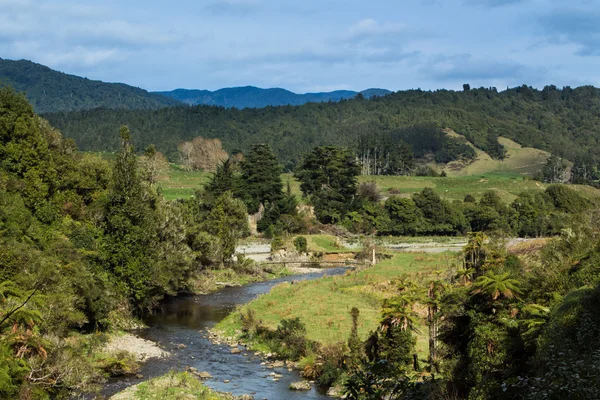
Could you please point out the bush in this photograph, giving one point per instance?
(332, 359)
(469, 199)
(291, 337)
(425, 170)
(119, 364)
(276, 243)
(301, 244)
(369, 191)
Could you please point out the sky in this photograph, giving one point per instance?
(310, 45)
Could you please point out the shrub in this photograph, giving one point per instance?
(369, 191)
(118, 364)
(332, 358)
(291, 336)
(469, 198)
(276, 243)
(301, 244)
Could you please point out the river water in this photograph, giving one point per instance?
(185, 320)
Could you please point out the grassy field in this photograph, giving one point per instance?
(324, 305)
(508, 185)
(177, 183)
(324, 244)
(507, 177)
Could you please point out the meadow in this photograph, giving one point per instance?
(178, 183)
(508, 178)
(324, 305)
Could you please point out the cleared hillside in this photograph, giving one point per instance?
(518, 159)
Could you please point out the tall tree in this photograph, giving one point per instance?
(328, 175)
(261, 177)
(130, 228)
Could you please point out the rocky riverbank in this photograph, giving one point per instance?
(141, 349)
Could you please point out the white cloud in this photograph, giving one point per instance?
(370, 27)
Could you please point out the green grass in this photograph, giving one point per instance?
(178, 183)
(508, 181)
(508, 185)
(324, 244)
(324, 305)
(172, 386)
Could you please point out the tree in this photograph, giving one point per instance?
(328, 175)
(496, 286)
(261, 178)
(555, 170)
(475, 253)
(202, 154)
(223, 180)
(152, 164)
(434, 292)
(228, 221)
(404, 216)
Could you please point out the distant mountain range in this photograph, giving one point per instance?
(53, 91)
(49, 90)
(253, 97)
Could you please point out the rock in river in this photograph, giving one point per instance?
(300, 385)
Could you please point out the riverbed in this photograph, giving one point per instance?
(181, 327)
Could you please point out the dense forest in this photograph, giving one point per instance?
(564, 122)
(84, 246)
(253, 97)
(48, 90)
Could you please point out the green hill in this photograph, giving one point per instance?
(253, 97)
(48, 90)
(565, 122)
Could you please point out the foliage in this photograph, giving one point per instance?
(563, 122)
(261, 178)
(301, 244)
(83, 246)
(328, 176)
(50, 91)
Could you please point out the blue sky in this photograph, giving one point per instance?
(310, 45)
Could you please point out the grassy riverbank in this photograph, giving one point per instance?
(324, 305)
(209, 281)
(173, 386)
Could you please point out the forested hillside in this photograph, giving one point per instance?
(565, 122)
(253, 97)
(48, 90)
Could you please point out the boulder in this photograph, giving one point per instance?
(235, 351)
(300, 385)
(335, 391)
(203, 375)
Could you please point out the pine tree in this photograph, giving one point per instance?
(261, 177)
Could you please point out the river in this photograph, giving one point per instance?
(185, 320)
